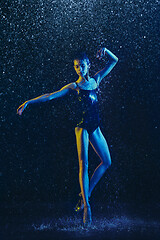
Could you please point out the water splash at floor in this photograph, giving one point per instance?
(48, 222)
(73, 225)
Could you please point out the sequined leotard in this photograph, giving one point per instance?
(87, 109)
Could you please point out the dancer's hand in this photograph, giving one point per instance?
(101, 53)
(21, 108)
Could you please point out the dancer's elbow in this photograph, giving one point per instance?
(115, 59)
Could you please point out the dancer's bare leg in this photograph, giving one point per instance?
(100, 146)
(82, 139)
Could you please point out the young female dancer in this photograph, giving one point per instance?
(87, 127)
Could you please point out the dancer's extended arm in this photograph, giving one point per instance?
(109, 66)
(46, 97)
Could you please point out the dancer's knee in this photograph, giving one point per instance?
(107, 162)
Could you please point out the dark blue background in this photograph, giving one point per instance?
(38, 149)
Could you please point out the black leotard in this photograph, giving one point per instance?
(87, 109)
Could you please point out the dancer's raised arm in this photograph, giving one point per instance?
(47, 97)
(110, 64)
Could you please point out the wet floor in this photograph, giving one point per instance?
(45, 223)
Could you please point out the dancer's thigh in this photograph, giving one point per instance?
(82, 139)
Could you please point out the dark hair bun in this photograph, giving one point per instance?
(81, 56)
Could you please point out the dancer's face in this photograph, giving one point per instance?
(81, 67)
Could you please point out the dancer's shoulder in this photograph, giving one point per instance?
(72, 85)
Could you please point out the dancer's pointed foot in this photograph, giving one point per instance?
(80, 205)
(87, 216)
